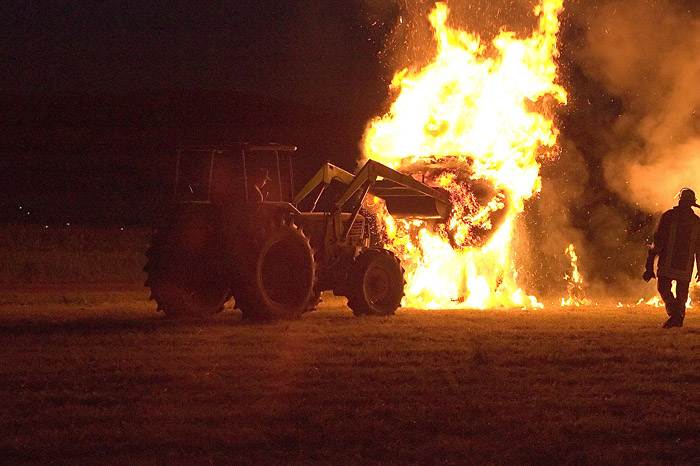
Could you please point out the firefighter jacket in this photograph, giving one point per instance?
(677, 243)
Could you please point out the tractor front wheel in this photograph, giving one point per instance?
(376, 283)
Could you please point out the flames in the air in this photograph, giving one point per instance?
(476, 121)
(574, 282)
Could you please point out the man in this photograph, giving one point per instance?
(677, 244)
(256, 181)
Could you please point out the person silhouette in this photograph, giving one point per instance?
(677, 245)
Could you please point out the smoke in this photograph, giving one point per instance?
(630, 140)
(547, 225)
(645, 54)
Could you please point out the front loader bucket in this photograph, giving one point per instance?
(420, 207)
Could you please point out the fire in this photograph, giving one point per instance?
(575, 283)
(655, 301)
(477, 122)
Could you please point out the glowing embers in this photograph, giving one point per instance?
(476, 121)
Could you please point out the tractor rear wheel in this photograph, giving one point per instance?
(184, 282)
(277, 278)
(376, 283)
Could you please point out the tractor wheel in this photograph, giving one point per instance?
(278, 277)
(376, 283)
(184, 282)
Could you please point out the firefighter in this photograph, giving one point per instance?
(256, 181)
(677, 244)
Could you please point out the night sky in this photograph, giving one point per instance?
(309, 50)
(96, 96)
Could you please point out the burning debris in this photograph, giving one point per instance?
(577, 296)
(477, 122)
(654, 301)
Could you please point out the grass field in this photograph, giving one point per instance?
(51, 254)
(100, 378)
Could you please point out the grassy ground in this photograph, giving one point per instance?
(101, 378)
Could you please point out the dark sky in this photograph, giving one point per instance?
(96, 96)
(310, 49)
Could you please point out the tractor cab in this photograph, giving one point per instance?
(224, 175)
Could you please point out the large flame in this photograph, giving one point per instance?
(476, 121)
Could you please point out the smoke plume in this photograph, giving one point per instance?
(645, 54)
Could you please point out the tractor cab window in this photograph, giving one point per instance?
(278, 187)
(225, 176)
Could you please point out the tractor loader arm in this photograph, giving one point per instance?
(323, 177)
(404, 195)
(373, 170)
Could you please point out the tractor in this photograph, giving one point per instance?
(274, 256)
